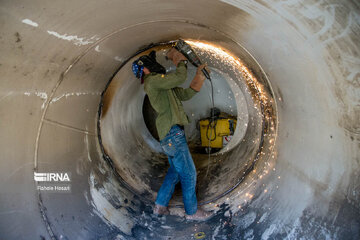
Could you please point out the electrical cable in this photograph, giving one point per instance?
(212, 118)
(211, 127)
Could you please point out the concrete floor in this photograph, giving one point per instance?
(57, 58)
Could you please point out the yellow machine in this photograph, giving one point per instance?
(217, 131)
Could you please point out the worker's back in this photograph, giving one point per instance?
(166, 98)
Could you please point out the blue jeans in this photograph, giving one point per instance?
(182, 168)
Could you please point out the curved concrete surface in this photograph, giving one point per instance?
(57, 59)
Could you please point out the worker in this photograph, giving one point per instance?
(166, 98)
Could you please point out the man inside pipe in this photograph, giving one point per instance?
(166, 98)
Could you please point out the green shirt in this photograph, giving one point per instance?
(165, 97)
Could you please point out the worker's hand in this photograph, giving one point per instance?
(199, 78)
(175, 56)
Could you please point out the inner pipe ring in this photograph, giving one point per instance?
(263, 110)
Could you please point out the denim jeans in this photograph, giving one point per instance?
(182, 168)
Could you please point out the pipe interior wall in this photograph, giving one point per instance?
(57, 59)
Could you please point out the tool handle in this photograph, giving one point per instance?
(206, 73)
(195, 60)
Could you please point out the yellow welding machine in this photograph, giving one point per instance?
(215, 131)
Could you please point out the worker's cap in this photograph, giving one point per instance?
(138, 69)
(148, 61)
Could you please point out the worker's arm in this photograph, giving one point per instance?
(184, 94)
(199, 78)
(195, 85)
(171, 80)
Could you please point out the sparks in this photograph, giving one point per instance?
(229, 58)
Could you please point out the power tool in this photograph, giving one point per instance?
(190, 54)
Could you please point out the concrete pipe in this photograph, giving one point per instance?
(80, 158)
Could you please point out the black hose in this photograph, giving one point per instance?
(212, 118)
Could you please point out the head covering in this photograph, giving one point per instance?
(148, 61)
(138, 70)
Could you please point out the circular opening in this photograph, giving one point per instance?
(129, 138)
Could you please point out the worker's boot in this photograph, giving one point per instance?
(161, 210)
(200, 215)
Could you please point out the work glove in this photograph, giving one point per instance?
(175, 56)
(199, 78)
